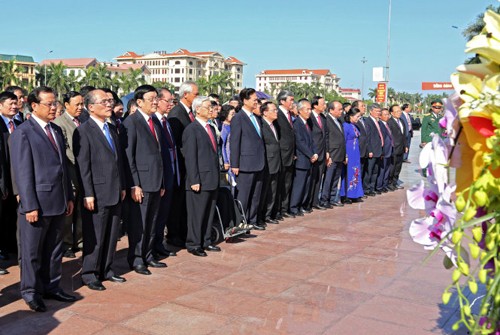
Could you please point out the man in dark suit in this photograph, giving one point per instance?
(398, 130)
(202, 178)
(45, 196)
(20, 94)
(8, 216)
(363, 141)
(375, 142)
(287, 145)
(141, 138)
(269, 195)
(408, 120)
(84, 116)
(248, 156)
(69, 121)
(306, 156)
(101, 169)
(4, 192)
(179, 118)
(317, 123)
(386, 164)
(335, 146)
(165, 104)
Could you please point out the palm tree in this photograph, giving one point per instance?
(8, 73)
(73, 82)
(372, 93)
(58, 79)
(90, 77)
(202, 83)
(39, 75)
(103, 76)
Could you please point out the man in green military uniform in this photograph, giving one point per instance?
(430, 123)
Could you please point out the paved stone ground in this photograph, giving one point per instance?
(350, 270)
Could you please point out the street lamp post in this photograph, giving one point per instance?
(388, 60)
(364, 60)
(45, 68)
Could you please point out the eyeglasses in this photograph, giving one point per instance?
(171, 101)
(437, 107)
(151, 99)
(105, 101)
(49, 104)
(209, 107)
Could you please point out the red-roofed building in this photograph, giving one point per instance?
(272, 80)
(76, 66)
(183, 65)
(350, 94)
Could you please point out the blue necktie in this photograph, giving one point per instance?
(254, 121)
(108, 136)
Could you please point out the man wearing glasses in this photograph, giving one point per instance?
(430, 123)
(45, 197)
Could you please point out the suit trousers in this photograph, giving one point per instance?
(269, 196)
(8, 224)
(41, 247)
(364, 168)
(141, 229)
(248, 190)
(300, 189)
(317, 172)
(177, 218)
(383, 175)
(72, 230)
(331, 183)
(200, 214)
(101, 230)
(284, 187)
(408, 144)
(372, 170)
(397, 161)
(163, 217)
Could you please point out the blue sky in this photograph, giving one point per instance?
(272, 34)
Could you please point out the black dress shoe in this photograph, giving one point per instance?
(384, 190)
(117, 279)
(69, 254)
(347, 201)
(3, 271)
(338, 204)
(198, 252)
(96, 286)
(280, 218)
(378, 192)
(357, 200)
(399, 187)
(60, 296)
(371, 194)
(391, 188)
(142, 269)
(272, 221)
(156, 264)
(172, 253)
(162, 252)
(299, 213)
(306, 210)
(212, 248)
(319, 207)
(259, 227)
(289, 215)
(37, 305)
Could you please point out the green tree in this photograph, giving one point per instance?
(8, 73)
(57, 79)
(164, 84)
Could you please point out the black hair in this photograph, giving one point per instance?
(246, 93)
(353, 111)
(6, 96)
(34, 96)
(226, 109)
(142, 90)
(86, 89)
(71, 94)
(315, 101)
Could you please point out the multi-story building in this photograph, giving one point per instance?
(350, 94)
(182, 65)
(74, 66)
(272, 80)
(117, 69)
(24, 67)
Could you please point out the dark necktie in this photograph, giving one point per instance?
(152, 128)
(108, 136)
(11, 127)
(51, 138)
(319, 122)
(290, 119)
(191, 116)
(167, 134)
(77, 123)
(211, 135)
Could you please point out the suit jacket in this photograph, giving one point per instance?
(398, 136)
(178, 119)
(168, 175)
(363, 141)
(4, 168)
(287, 139)
(405, 119)
(387, 133)
(6, 154)
(273, 151)
(318, 135)
(335, 140)
(100, 168)
(202, 158)
(247, 150)
(374, 143)
(142, 149)
(304, 145)
(43, 182)
(65, 121)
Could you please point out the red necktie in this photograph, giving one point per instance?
(307, 127)
(390, 134)
(290, 119)
(169, 138)
(77, 123)
(11, 126)
(319, 122)
(379, 132)
(51, 138)
(152, 128)
(191, 116)
(211, 135)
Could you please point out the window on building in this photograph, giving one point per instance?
(177, 80)
(190, 71)
(238, 76)
(190, 63)
(177, 62)
(177, 70)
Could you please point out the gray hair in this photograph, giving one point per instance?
(283, 95)
(374, 106)
(198, 101)
(186, 87)
(90, 98)
(302, 104)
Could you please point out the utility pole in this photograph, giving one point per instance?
(364, 60)
(388, 61)
(45, 68)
